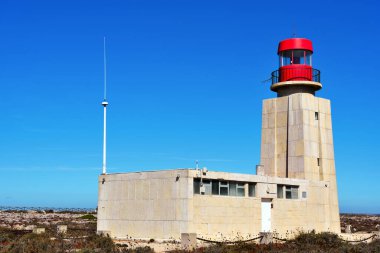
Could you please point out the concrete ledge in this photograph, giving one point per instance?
(315, 85)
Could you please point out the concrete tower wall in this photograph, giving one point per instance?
(297, 142)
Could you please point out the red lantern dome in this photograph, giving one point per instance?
(295, 73)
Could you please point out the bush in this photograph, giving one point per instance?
(324, 240)
(104, 244)
(32, 243)
(88, 217)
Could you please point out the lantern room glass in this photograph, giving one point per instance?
(290, 57)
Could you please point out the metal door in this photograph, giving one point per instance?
(266, 215)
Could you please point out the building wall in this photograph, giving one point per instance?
(306, 214)
(219, 217)
(229, 217)
(145, 204)
(161, 205)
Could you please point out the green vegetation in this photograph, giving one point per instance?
(88, 217)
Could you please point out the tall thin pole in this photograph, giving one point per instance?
(105, 68)
(105, 103)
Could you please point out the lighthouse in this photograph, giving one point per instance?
(293, 190)
(297, 136)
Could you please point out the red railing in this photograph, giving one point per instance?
(296, 73)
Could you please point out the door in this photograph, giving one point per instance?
(266, 207)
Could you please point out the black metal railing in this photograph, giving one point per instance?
(282, 75)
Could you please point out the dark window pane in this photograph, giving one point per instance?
(224, 191)
(215, 187)
(288, 192)
(223, 188)
(286, 58)
(298, 57)
(197, 185)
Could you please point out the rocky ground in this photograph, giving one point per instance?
(360, 222)
(27, 220)
(16, 235)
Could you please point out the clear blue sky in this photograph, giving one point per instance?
(185, 83)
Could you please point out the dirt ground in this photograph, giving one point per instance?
(360, 222)
(81, 232)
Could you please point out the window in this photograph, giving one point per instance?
(236, 189)
(207, 187)
(291, 191)
(223, 188)
(240, 189)
(319, 162)
(251, 190)
(197, 186)
(289, 57)
(288, 192)
(280, 191)
(316, 116)
(299, 57)
(215, 187)
(232, 189)
(304, 195)
(308, 58)
(286, 58)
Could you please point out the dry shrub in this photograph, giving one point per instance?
(145, 249)
(32, 243)
(304, 243)
(101, 243)
(324, 240)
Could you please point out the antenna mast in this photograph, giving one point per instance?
(105, 103)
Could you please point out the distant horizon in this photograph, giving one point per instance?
(44, 208)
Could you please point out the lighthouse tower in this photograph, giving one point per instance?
(297, 140)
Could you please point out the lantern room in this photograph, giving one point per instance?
(295, 57)
(295, 73)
